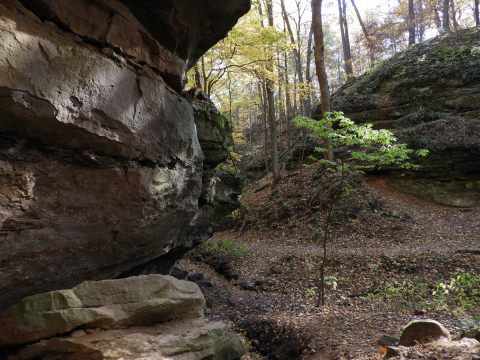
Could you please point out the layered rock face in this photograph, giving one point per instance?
(101, 169)
(145, 317)
(429, 96)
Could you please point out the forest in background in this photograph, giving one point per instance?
(264, 73)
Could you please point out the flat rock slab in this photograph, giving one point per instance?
(184, 340)
(141, 300)
(419, 331)
(464, 349)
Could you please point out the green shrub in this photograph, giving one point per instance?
(463, 291)
(470, 328)
(459, 294)
(226, 248)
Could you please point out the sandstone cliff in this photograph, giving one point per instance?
(101, 168)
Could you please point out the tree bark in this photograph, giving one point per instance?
(281, 95)
(347, 55)
(477, 12)
(297, 56)
(263, 97)
(453, 15)
(198, 81)
(368, 39)
(421, 21)
(270, 86)
(436, 18)
(446, 16)
(411, 23)
(320, 66)
(308, 76)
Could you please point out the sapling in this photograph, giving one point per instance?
(366, 149)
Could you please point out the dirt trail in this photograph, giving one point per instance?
(402, 240)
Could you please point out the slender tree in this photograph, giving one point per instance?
(368, 37)
(446, 16)
(308, 75)
(411, 23)
(297, 56)
(421, 21)
(347, 54)
(453, 15)
(477, 12)
(270, 89)
(319, 50)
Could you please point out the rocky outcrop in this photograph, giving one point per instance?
(101, 168)
(214, 130)
(146, 317)
(429, 96)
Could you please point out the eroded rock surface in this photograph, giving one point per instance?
(103, 304)
(146, 317)
(186, 340)
(100, 164)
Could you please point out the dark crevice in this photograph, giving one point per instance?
(9, 140)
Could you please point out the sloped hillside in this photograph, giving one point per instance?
(430, 96)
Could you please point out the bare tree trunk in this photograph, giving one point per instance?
(371, 53)
(308, 76)
(230, 101)
(288, 102)
(264, 122)
(295, 92)
(347, 55)
(477, 12)
(320, 66)
(271, 109)
(421, 21)
(436, 18)
(296, 54)
(411, 23)
(198, 81)
(281, 98)
(446, 17)
(453, 15)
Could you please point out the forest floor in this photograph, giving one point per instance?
(387, 254)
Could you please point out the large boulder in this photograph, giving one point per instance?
(419, 331)
(186, 340)
(145, 317)
(429, 96)
(101, 169)
(103, 304)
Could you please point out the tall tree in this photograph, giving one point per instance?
(453, 15)
(298, 58)
(270, 89)
(411, 23)
(319, 50)
(477, 12)
(421, 21)
(347, 53)
(446, 16)
(368, 37)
